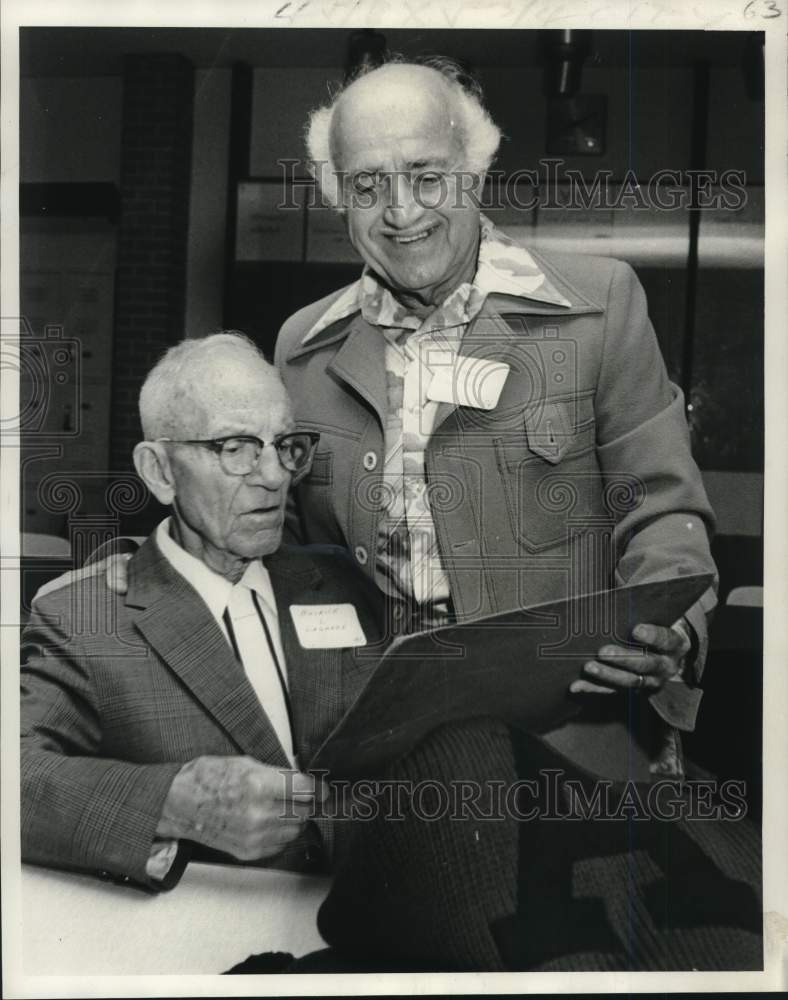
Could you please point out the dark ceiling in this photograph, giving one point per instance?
(72, 51)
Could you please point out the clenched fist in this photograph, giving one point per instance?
(238, 805)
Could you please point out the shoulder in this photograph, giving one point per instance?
(63, 611)
(593, 275)
(61, 595)
(294, 328)
(81, 603)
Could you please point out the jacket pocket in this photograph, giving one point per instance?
(548, 431)
(549, 472)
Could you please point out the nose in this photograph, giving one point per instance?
(269, 471)
(402, 209)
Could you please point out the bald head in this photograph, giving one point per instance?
(376, 105)
(401, 92)
(199, 379)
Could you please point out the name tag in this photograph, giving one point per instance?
(327, 626)
(473, 382)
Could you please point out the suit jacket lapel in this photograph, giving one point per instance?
(315, 676)
(176, 622)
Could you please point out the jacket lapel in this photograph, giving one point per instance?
(315, 676)
(361, 363)
(360, 360)
(177, 624)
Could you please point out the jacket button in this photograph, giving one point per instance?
(361, 554)
(370, 461)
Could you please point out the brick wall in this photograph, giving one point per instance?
(158, 96)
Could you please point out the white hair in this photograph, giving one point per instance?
(480, 135)
(167, 392)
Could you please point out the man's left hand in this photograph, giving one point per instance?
(617, 668)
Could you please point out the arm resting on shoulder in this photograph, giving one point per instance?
(109, 558)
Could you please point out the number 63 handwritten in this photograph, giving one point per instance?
(762, 8)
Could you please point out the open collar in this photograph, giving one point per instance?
(504, 267)
(513, 279)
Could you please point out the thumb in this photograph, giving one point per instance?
(306, 786)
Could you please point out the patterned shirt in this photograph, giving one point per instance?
(408, 563)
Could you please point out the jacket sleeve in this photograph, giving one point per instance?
(80, 810)
(665, 525)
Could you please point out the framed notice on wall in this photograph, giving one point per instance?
(327, 240)
(270, 222)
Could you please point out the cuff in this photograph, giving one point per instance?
(678, 701)
(180, 859)
(677, 704)
(687, 661)
(697, 617)
(162, 856)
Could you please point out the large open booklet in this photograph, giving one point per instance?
(516, 665)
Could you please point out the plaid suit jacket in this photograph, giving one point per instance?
(118, 692)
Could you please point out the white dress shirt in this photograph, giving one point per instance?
(248, 635)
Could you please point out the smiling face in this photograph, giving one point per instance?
(221, 519)
(410, 213)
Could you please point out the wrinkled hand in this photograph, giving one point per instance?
(618, 668)
(239, 806)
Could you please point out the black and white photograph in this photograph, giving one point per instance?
(393, 499)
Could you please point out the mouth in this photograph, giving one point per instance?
(263, 512)
(405, 239)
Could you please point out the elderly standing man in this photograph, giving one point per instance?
(497, 427)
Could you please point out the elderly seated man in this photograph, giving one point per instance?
(176, 720)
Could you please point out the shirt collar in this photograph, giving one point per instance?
(504, 267)
(213, 588)
(257, 578)
(507, 268)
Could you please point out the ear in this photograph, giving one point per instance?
(153, 467)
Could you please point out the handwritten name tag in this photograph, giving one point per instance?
(469, 382)
(327, 626)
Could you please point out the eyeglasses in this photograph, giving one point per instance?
(240, 454)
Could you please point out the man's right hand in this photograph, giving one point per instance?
(238, 805)
(115, 568)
